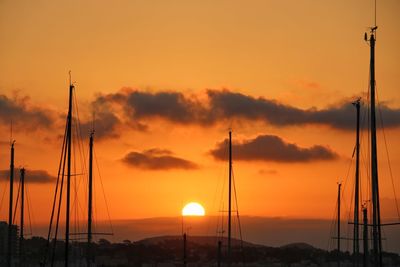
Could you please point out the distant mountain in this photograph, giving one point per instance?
(303, 246)
(199, 240)
(274, 232)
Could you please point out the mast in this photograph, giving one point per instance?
(357, 190)
(21, 238)
(230, 199)
(69, 141)
(338, 226)
(90, 205)
(10, 213)
(219, 253)
(184, 250)
(365, 236)
(376, 216)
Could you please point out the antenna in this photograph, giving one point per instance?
(375, 13)
(11, 132)
(69, 73)
(94, 119)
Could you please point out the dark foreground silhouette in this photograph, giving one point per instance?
(201, 251)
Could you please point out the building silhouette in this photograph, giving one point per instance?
(4, 241)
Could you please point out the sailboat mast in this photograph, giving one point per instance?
(338, 226)
(10, 210)
(376, 217)
(356, 242)
(90, 203)
(21, 238)
(219, 255)
(184, 250)
(365, 237)
(69, 141)
(230, 200)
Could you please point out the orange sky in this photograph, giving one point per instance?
(300, 54)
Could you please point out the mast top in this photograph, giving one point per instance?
(71, 83)
(93, 123)
(375, 16)
(357, 102)
(372, 29)
(12, 141)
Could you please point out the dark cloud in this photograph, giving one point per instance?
(22, 114)
(272, 148)
(222, 105)
(172, 106)
(105, 125)
(226, 104)
(31, 176)
(157, 159)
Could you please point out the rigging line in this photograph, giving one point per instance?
(2, 198)
(362, 123)
(387, 152)
(82, 155)
(104, 194)
(28, 198)
(59, 206)
(16, 202)
(58, 185)
(57, 182)
(237, 214)
(219, 215)
(221, 171)
(74, 188)
(95, 194)
(79, 135)
(351, 209)
(94, 203)
(365, 153)
(369, 146)
(81, 148)
(344, 184)
(364, 161)
(333, 227)
(77, 182)
(221, 201)
(213, 204)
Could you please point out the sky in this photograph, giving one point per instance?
(166, 81)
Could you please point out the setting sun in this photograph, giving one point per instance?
(193, 209)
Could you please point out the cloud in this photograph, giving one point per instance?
(226, 104)
(23, 114)
(172, 106)
(157, 159)
(31, 176)
(272, 148)
(139, 107)
(105, 125)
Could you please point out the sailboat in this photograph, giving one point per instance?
(375, 214)
(65, 162)
(377, 225)
(371, 211)
(10, 252)
(65, 171)
(231, 190)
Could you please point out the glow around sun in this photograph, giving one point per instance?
(193, 209)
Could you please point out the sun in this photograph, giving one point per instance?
(193, 209)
